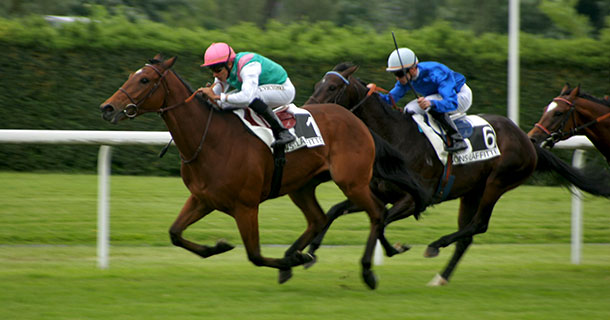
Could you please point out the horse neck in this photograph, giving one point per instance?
(187, 120)
(388, 123)
(599, 133)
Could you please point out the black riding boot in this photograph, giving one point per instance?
(457, 142)
(281, 134)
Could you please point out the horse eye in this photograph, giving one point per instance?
(558, 114)
(332, 88)
(144, 80)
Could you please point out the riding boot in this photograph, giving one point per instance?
(457, 141)
(281, 134)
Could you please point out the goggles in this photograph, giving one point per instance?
(216, 68)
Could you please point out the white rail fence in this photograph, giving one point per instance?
(106, 139)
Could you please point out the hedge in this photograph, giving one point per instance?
(56, 77)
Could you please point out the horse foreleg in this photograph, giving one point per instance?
(402, 209)
(247, 223)
(335, 212)
(192, 211)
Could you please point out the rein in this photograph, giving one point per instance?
(372, 89)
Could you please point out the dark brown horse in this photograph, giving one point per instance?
(226, 168)
(478, 185)
(574, 113)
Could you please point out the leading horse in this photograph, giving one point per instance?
(478, 185)
(227, 168)
(574, 113)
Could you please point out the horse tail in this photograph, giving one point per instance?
(390, 165)
(597, 184)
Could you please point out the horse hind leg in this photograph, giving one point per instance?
(475, 211)
(305, 199)
(335, 212)
(363, 197)
(192, 211)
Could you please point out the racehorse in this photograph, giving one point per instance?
(478, 185)
(227, 168)
(574, 113)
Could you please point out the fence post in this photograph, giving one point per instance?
(103, 209)
(576, 248)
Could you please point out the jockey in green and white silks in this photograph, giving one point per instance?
(255, 76)
(251, 80)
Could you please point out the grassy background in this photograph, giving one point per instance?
(61, 209)
(519, 269)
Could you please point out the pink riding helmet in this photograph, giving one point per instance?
(218, 52)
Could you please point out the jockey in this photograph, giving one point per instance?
(444, 91)
(259, 83)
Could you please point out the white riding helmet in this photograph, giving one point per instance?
(407, 56)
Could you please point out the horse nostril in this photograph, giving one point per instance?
(107, 108)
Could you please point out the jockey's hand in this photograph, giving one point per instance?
(423, 103)
(209, 93)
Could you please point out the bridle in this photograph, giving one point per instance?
(340, 93)
(559, 134)
(132, 109)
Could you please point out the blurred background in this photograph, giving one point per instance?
(62, 58)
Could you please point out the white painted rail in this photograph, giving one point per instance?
(88, 137)
(109, 138)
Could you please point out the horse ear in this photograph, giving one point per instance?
(565, 90)
(167, 64)
(575, 92)
(349, 71)
(158, 57)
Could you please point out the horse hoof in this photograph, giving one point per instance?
(285, 275)
(305, 258)
(370, 279)
(310, 264)
(438, 281)
(400, 248)
(431, 252)
(223, 246)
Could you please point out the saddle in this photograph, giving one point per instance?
(476, 131)
(298, 121)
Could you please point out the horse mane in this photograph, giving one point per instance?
(590, 97)
(184, 82)
(387, 109)
(595, 99)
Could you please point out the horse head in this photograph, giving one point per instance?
(331, 88)
(554, 125)
(139, 93)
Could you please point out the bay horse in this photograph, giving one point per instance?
(227, 168)
(478, 185)
(574, 113)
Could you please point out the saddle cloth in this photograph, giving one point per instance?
(298, 121)
(476, 131)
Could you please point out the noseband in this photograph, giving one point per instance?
(131, 110)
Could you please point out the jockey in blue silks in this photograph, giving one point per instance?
(444, 91)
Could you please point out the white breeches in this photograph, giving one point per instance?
(464, 98)
(274, 95)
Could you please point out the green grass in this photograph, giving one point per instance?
(61, 209)
(519, 269)
(494, 282)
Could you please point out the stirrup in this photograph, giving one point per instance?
(283, 138)
(456, 146)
